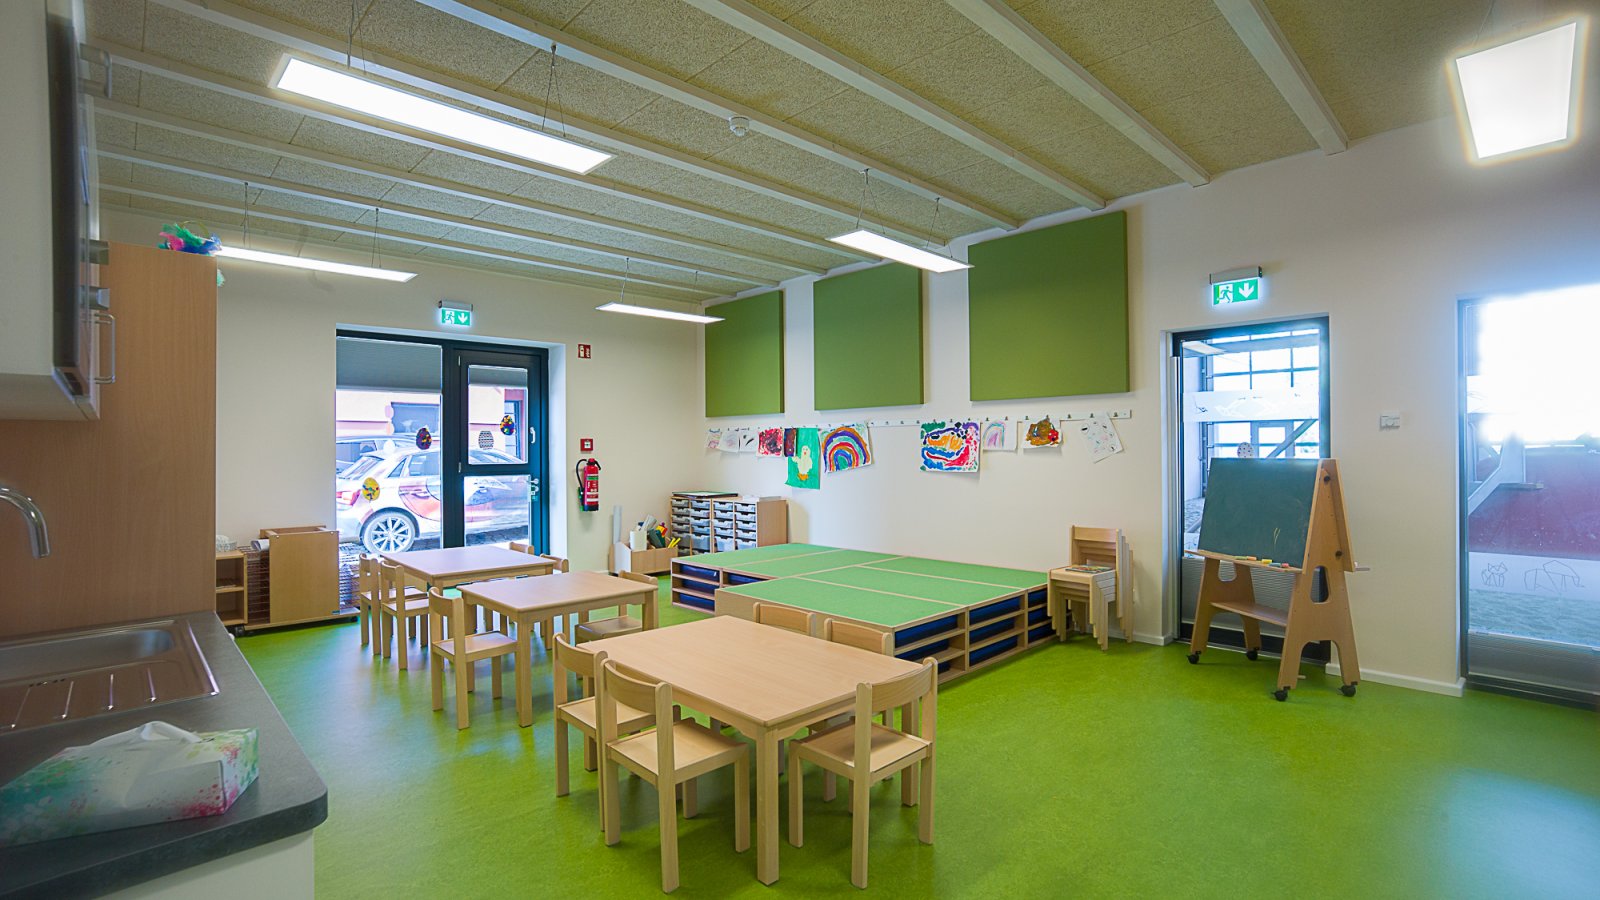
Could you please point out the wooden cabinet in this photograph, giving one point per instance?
(232, 580)
(303, 563)
(130, 497)
(711, 521)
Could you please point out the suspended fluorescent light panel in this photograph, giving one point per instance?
(889, 248)
(1521, 95)
(319, 265)
(373, 99)
(654, 313)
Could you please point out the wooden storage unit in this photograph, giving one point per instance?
(709, 521)
(653, 561)
(304, 585)
(232, 580)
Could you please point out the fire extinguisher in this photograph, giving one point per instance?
(589, 484)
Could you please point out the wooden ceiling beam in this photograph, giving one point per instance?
(769, 29)
(239, 139)
(1266, 42)
(1006, 25)
(367, 63)
(278, 185)
(226, 84)
(504, 22)
(187, 198)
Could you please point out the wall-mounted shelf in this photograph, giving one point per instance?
(232, 576)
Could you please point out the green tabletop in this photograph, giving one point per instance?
(1016, 579)
(871, 607)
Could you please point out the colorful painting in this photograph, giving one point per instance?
(508, 425)
(713, 438)
(950, 446)
(805, 466)
(846, 447)
(1039, 435)
(770, 442)
(999, 436)
(789, 437)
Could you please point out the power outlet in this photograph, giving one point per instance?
(1388, 421)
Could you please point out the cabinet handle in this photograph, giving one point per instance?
(105, 318)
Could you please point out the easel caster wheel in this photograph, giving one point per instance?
(1194, 659)
(1251, 654)
(1281, 694)
(1349, 690)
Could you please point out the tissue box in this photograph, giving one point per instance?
(154, 773)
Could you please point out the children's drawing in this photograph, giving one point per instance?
(1039, 435)
(950, 446)
(846, 447)
(729, 442)
(747, 440)
(770, 442)
(999, 436)
(805, 466)
(713, 438)
(788, 441)
(1100, 437)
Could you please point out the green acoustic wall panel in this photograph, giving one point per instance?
(867, 327)
(744, 357)
(1048, 311)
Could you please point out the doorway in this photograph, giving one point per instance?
(1243, 391)
(1530, 493)
(438, 443)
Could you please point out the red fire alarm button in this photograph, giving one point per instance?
(583, 351)
(586, 445)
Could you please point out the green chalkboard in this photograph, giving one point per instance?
(1048, 311)
(867, 333)
(1259, 507)
(744, 357)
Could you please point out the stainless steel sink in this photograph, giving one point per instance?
(74, 675)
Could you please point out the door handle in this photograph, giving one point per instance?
(533, 488)
(102, 317)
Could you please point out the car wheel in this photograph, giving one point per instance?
(389, 532)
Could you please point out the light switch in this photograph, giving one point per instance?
(1388, 420)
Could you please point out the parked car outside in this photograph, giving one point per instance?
(408, 503)
(348, 449)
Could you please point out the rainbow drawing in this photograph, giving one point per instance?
(950, 446)
(846, 447)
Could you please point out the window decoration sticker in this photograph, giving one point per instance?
(370, 489)
(424, 438)
(508, 425)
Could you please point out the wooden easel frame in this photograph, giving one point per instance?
(1308, 619)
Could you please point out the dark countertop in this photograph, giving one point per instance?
(287, 798)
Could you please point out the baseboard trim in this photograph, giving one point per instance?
(1447, 688)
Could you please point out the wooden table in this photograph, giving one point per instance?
(451, 566)
(765, 681)
(530, 600)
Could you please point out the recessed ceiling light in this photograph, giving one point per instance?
(1521, 94)
(361, 95)
(654, 313)
(320, 265)
(889, 248)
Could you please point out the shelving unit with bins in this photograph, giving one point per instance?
(712, 521)
(232, 578)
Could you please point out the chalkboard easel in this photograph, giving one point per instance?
(1319, 608)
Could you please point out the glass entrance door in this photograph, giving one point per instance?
(1530, 492)
(495, 425)
(1246, 391)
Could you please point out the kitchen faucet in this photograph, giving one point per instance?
(38, 533)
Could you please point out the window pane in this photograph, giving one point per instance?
(1271, 381)
(1307, 357)
(1232, 432)
(1231, 383)
(1223, 363)
(1271, 359)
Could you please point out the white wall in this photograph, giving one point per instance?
(275, 387)
(1384, 238)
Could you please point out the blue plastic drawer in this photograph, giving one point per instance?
(1040, 633)
(1037, 616)
(743, 579)
(1037, 597)
(692, 600)
(988, 631)
(699, 572)
(995, 609)
(995, 649)
(922, 653)
(919, 632)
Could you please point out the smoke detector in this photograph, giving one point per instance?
(739, 125)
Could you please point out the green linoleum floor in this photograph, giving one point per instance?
(1063, 772)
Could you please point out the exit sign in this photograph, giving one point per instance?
(1240, 291)
(457, 318)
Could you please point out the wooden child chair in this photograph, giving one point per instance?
(785, 617)
(463, 648)
(1072, 590)
(622, 623)
(398, 607)
(583, 712)
(676, 751)
(866, 753)
(861, 637)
